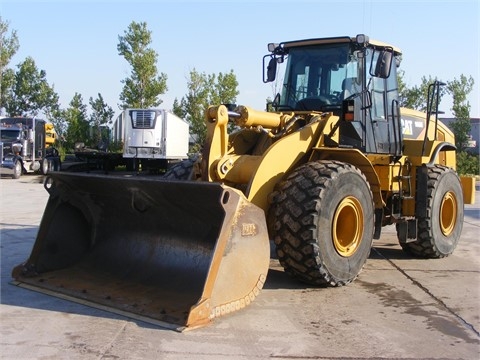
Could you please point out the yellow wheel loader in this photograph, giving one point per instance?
(333, 161)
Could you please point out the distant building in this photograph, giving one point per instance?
(474, 141)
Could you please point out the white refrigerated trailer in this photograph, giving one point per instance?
(152, 138)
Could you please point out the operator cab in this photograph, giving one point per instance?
(336, 74)
(316, 78)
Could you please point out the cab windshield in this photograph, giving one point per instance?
(9, 134)
(319, 77)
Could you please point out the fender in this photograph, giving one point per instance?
(357, 158)
(443, 146)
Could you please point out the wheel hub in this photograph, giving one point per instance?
(448, 213)
(348, 225)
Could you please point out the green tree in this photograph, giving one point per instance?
(177, 108)
(30, 92)
(224, 88)
(144, 86)
(459, 90)
(468, 164)
(415, 97)
(9, 46)
(193, 105)
(204, 90)
(101, 115)
(225, 91)
(78, 127)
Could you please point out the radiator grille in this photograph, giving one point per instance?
(143, 119)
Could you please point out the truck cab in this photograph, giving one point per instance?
(25, 147)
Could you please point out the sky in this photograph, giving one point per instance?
(75, 42)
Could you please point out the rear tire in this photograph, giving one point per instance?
(322, 222)
(180, 171)
(438, 233)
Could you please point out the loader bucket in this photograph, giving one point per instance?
(173, 253)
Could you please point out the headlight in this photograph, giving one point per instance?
(16, 148)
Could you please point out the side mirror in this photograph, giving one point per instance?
(270, 70)
(383, 65)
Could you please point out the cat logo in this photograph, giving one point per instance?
(407, 126)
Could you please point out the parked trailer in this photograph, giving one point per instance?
(153, 138)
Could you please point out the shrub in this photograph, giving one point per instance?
(468, 164)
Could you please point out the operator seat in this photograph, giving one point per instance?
(348, 87)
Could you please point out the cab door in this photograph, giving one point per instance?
(385, 136)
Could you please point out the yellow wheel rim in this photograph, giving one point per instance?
(448, 213)
(348, 224)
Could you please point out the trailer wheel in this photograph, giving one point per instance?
(17, 170)
(180, 171)
(322, 222)
(438, 233)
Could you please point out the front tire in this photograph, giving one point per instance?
(46, 166)
(439, 231)
(322, 222)
(17, 170)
